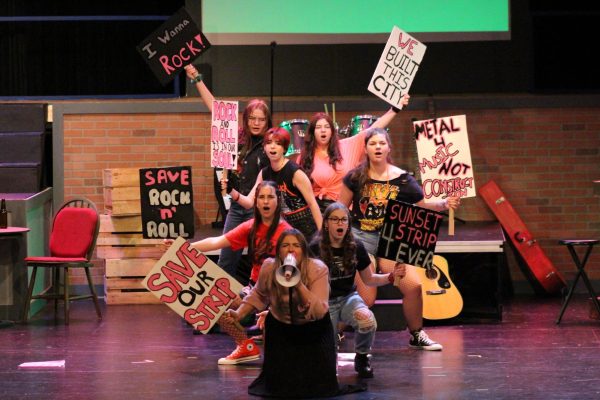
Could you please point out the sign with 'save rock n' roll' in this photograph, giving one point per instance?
(397, 67)
(192, 285)
(172, 46)
(167, 202)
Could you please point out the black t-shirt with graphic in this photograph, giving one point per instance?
(370, 201)
(342, 281)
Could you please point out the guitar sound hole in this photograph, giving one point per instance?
(431, 273)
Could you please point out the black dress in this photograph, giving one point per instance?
(299, 361)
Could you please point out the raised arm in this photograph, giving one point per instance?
(354, 146)
(207, 97)
(303, 184)
(385, 119)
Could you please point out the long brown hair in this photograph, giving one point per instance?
(360, 174)
(307, 156)
(348, 243)
(265, 246)
(246, 134)
(301, 264)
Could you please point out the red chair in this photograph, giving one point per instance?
(72, 243)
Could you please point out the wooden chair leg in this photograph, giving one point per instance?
(29, 294)
(93, 291)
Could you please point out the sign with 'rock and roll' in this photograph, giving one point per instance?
(397, 67)
(175, 44)
(167, 202)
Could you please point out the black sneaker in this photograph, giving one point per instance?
(362, 365)
(420, 340)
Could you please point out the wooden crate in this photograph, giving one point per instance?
(125, 224)
(129, 257)
(125, 239)
(124, 208)
(121, 188)
(121, 237)
(121, 177)
(111, 252)
(123, 281)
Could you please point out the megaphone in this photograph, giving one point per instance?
(288, 274)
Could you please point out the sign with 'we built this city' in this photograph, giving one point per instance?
(397, 67)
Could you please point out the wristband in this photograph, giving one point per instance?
(395, 109)
(196, 79)
(391, 277)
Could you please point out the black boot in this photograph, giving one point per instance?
(362, 365)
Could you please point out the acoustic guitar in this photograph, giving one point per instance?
(441, 298)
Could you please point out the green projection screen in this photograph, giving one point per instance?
(244, 22)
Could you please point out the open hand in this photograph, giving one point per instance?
(262, 316)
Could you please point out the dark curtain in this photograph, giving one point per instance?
(69, 57)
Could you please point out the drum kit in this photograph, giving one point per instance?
(298, 128)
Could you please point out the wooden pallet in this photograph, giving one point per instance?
(121, 188)
(123, 281)
(121, 177)
(123, 224)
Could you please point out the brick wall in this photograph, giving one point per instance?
(544, 159)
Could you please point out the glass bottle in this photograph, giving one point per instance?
(3, 215)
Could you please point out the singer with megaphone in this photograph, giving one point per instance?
(288, 275)
(299, 356)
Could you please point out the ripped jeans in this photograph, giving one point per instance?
(345, 309)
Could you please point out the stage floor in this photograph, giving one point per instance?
(147, 352)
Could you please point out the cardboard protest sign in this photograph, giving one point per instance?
(397, 67)
(175, 44)
(192, 285)
(224, 134)
(444, 157)
(167, 202)
(409, 234)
